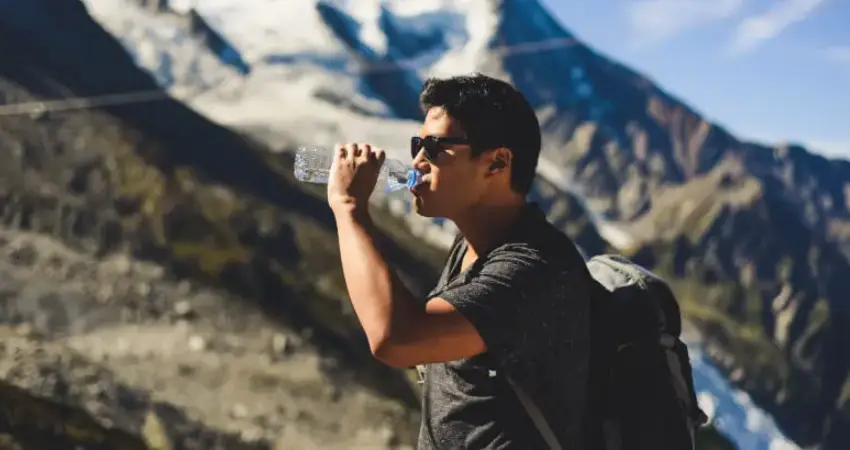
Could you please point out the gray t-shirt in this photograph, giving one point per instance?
(529, 300)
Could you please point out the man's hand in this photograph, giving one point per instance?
(353, 175)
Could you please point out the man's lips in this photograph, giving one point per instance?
(421, 186)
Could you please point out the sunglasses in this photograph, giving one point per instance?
(433, 145)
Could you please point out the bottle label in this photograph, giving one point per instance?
(412, 178)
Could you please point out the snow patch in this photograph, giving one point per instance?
(612, 233)
(731, 410)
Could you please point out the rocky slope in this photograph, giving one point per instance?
(235, 334)
(770, 300)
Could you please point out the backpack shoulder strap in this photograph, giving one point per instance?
(536, 416)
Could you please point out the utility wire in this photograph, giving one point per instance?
(151, 95)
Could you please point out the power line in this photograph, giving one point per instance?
(128, 98)
(503, 51)
(42, 106)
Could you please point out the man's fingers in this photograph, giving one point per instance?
(364, 150)
(359, 151)
(372, 153)
(351, 151)
(368, 152)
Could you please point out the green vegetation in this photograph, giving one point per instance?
(709, 438)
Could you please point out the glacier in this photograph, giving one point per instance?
(319, 72)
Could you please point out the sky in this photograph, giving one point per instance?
(767, 70)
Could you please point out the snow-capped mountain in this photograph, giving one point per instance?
(323, 72)
(320, 72)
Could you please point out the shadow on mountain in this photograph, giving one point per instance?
(399, 89)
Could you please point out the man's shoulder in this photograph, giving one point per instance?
(533, 244)
(545, 244)
(538, 266)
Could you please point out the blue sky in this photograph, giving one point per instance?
(767, 70)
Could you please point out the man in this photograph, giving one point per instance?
(513, 299)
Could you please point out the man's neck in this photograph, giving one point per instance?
(485, 227)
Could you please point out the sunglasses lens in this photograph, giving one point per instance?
(433, 146)
(432, 149)
(415, 145)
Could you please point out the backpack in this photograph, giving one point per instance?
(642, 385)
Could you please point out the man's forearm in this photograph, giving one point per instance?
(382, 303)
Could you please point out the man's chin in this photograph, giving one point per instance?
(421, 208)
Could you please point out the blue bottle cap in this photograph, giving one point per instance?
(412, 178)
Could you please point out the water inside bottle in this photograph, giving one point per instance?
(312, 165)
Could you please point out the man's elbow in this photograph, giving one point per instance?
(385, 351)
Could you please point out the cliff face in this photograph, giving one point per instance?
(771, 301)
(662, 142)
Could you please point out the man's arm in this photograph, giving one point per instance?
(400, 331)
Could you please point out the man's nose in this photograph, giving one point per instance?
(420, 162)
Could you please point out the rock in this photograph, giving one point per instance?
(23, 255)
(184, 287)
(77, 404)
(25, 329)
(239, 411)
(280, 344)
(121, 265)
(197, 343)
(252, 434)
(105, 293)
(183, 309)
(150, 271)
(154, 433)
(143, 289)
(737, 375)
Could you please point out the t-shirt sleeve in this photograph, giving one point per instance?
(499, 298)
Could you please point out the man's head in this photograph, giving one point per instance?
(491, 155)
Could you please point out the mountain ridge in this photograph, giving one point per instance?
(713, 141)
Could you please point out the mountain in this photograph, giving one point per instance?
(212, 217)
(751, 235)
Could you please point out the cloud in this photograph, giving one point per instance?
(758, 29)
(838, 54)
(658, 20)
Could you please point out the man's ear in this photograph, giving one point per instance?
(500, 160)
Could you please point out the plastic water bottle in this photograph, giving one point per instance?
(313, 165)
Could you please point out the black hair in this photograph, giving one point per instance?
(493, 114)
